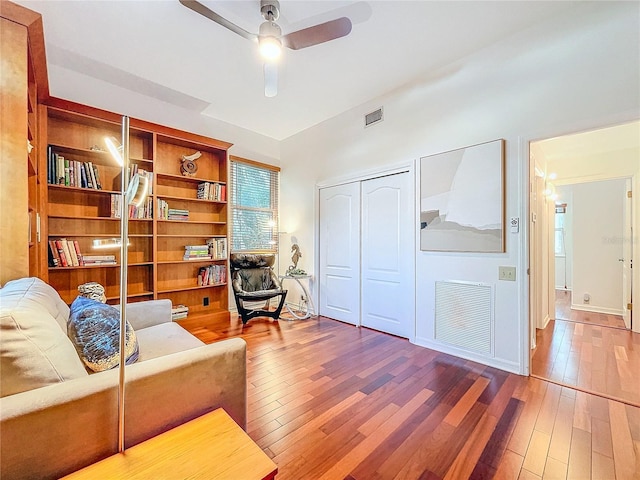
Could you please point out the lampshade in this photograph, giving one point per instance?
(268, 40)
(115, 149)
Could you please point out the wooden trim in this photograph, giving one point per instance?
(35, 31)
(95, 112)
(266, 166)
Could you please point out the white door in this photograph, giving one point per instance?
(387, 252)
(340, 252)
(627, 252)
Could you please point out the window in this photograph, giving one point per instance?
(254, 206)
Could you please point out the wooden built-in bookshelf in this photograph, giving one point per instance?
(79, 214)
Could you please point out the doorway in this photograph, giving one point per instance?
(581, 252)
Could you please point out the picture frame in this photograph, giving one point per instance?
(462, 199)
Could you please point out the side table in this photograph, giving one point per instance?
(209, 447)
(309, 310)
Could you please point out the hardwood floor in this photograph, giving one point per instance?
(605, 360)
(331, 401)
(564, 312)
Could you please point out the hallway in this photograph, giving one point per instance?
(598, 359)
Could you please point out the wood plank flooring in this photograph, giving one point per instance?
(331, 401)
(564, 312)
(605, 360)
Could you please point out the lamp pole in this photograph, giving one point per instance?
(124, 234)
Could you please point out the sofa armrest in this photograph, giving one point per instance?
(146, 314)
(55, 430)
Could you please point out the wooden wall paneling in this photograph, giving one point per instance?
(14, 219)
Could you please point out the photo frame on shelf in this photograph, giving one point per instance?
(462, 200)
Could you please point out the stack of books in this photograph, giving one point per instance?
(212, 191)
(178, 312)
(217, 248)
(166, 213)
(99, 259)
(212, 275)
(177, 214)
(71, 173)
(65, 253)
(196, 252)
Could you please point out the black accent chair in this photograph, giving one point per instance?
(254, 280)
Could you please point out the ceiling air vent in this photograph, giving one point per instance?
(373, 117)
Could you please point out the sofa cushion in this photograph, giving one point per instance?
(94, 329)
(34, 349)
(164, 339)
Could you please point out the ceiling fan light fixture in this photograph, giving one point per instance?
(269, 40)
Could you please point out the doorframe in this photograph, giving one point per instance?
(359, 176)
(524, 185)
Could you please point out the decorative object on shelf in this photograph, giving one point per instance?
(188, 167)
(293, 269)
(93, 290)
(96, 148)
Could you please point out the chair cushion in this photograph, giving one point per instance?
(34, 349)
(94, 329)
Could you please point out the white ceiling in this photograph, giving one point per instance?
(166, 51)
(591, 143)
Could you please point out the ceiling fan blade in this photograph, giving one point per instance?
(307, 37)
(211, 15)
(270, 79)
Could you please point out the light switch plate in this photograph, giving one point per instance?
(507, 273)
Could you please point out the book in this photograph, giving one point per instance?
(54, 256)
(72, 253)
(76, 245)
(96, 175)
(61, 253)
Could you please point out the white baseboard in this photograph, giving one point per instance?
(596, 309)
(512, 367)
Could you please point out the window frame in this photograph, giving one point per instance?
(273, 210)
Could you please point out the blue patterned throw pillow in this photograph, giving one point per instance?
(94, 329)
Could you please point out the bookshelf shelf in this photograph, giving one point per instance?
(201, 200)
(194, 287)
(79, 213)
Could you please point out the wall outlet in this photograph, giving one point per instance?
(586, 299)
(507, 273)
(205, 301)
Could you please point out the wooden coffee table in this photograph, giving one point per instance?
(212, 446)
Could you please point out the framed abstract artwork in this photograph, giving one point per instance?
(462, 200)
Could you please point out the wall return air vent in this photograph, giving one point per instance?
(373, 117)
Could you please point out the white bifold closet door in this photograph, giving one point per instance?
(387, 273)
(340, 252)
(366, 254)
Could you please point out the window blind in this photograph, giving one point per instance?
(254, 206)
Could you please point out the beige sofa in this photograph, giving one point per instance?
(56, 418)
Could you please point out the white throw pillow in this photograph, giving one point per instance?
(34, 350)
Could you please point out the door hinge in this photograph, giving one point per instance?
(629, 306)
(629, 194)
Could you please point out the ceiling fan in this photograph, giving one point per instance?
(270, 38)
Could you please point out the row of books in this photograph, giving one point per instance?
(72, 173)
(66, 253)
(179, 311)
(144, 211)
(212, 275)
(166, 213)
(196, 252)
(212, 191)
(217, 248)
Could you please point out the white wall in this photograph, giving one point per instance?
(583, 75)
(597, 224)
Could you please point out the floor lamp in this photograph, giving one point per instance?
(133, 192)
